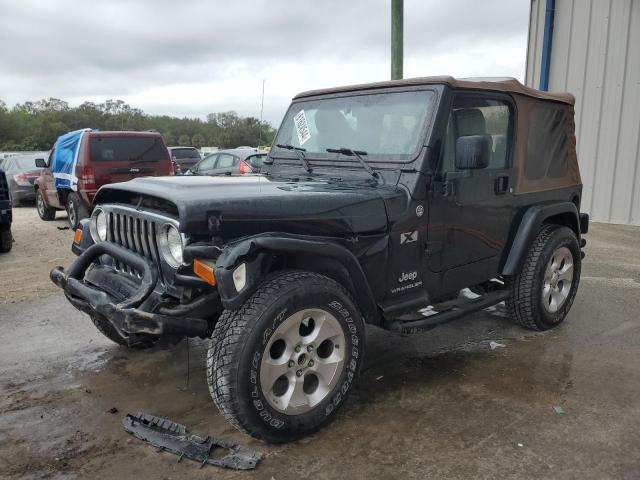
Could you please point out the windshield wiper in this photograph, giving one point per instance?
(299, 152)
(358, 154)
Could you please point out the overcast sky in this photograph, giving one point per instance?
(190, 58)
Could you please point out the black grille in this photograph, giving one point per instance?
(134, 233)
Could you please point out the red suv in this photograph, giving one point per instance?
(103, 157)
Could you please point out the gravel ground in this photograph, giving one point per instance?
(476, 398)
(38, 246)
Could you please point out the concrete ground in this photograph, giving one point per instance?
(477, 398)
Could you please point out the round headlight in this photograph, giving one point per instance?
(98, 225)
(170, 242)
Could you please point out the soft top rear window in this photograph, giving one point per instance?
(144, 149)
(185, 153)
(547, 144)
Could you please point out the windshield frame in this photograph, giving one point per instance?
(373, 158)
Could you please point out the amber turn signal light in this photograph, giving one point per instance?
(77, 236)
(204, 269)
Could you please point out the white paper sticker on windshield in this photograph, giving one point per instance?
(302, 128)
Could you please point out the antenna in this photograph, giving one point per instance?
(261, 111)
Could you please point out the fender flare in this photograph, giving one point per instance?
(42, 186)
(529, 227)
(253, 250)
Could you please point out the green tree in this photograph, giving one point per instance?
(198, 141)
(36, 125)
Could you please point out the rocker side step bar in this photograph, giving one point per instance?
(457, 311)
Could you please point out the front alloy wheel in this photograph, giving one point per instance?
(302, 361)
(44, 212)
(281, 366)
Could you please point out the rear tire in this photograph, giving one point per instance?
(543, 291)
(105, 327)
(6, 239)
(76, 210)
(281, 366)
(45, 212)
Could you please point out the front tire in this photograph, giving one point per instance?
(544, 290)
(45, 212)
(281, 366)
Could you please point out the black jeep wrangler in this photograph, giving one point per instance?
(6, 239)
(376, 201)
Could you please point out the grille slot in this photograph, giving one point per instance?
(134, 233)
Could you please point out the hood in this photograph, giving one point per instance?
(245, 205)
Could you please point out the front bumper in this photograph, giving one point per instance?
(129, 305)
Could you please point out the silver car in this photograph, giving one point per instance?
(237, 161)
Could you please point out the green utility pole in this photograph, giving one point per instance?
(397, 38)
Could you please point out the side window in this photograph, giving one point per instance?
(225, 160)
(472, 115)
(207, 163)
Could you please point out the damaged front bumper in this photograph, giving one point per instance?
(128, 303)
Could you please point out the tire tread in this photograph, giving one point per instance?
(226, 343)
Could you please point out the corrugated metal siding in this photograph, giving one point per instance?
(596, 56)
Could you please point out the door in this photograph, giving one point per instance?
(50, 184)
(206, 165)
(226, 164)
(470, 210)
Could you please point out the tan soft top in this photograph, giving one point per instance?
(496, 84)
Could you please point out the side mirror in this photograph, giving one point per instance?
(472, 152)
(41, 163)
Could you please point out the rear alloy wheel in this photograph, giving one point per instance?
(281, 366)
(44, 212)
(543, 292)
(558, 278)
(76, 211)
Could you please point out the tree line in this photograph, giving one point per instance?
(36, 125)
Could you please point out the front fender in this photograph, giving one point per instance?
(253, 251)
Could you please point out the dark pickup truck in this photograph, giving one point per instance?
(376, 201)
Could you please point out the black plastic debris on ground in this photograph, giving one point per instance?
(173, 437)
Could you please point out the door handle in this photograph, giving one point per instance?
(501, 185)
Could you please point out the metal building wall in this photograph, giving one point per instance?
(595, 55)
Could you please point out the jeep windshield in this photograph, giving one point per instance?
(388, 126)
